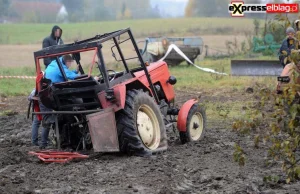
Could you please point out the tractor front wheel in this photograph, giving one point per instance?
(140, 125)
(195, 125)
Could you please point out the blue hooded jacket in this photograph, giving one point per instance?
(53, 73)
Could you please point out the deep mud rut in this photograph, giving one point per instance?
(203, 167)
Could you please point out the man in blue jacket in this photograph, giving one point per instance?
(53, 72)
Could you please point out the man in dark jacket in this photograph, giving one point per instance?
(289, 43)
(53, 39)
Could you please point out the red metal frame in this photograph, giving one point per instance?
(57, 156)
(38, 65)
(183, 114)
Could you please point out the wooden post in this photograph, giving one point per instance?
(206, 50)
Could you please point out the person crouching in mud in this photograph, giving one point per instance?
(36, 123)
(289, 70)
(288, 44)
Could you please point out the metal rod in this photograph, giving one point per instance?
(118, 33)
(78, 123)
(72, 48)
(146, 46)
(66, 112)
(129, 58)
(78, 64)
(79, 144)
(83, 143)
(123, 41)
(57, 133)
(121, 54)
(102, 67)
(61, 69)
(66, 49)
(97, 37)
(28, 110)
(144, 66)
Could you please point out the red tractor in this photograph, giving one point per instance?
(125, 110)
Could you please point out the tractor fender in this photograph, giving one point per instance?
(183, 114)
(120, 91)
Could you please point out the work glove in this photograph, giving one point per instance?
(284, 53)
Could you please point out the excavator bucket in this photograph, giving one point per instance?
(256, 68)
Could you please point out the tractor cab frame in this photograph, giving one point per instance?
(92, 44)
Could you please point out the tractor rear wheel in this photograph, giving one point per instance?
(195, 125)
(140, 125)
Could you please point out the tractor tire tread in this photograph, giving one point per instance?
(129, 140)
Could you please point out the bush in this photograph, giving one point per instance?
(276, 121)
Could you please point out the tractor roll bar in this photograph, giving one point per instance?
(97, 37)
(61, 69)
(88, 44)
(121, 54)
(77, 46)
(101, 66)
(144, 67)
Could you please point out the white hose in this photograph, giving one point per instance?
(173, 46)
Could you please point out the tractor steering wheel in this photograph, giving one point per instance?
(111, 77)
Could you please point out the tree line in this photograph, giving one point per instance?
(216, 8)
(102, 10)
(81, 10)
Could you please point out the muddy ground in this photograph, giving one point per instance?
(203, 167)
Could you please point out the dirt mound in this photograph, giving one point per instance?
(202, 167)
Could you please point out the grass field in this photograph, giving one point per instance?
(19, 41)
(34, 33)
(22, 55)
(188, 78)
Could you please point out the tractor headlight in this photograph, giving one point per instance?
(172, 80)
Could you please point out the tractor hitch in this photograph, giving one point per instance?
(57, 156)
(173, 111)
(110, 95)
